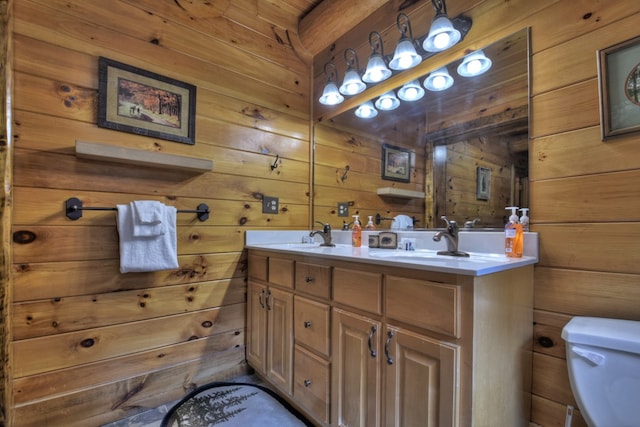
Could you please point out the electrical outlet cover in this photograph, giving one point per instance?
(270, 205)
(343, 209)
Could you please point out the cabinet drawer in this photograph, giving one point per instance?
(359, 289)
(311, 383)
(311, 324)
(428, 305)
(281, 272)
(313, 279)
(257, 266)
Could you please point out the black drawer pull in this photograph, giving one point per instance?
(307, 383)
(307, 324)
(309, 279)
(371, 335)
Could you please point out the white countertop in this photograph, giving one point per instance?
(481, 246)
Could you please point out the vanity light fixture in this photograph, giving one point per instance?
(438, 80)
(330, 93)
(352, 83)
(442, 34)
(411, 91)
(387, 101)
(474, 64)
(405, 55)
(377, 69)
(366, 111)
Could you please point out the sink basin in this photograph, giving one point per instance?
(433, 256)
(301, 246)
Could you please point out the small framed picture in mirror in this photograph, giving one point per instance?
(396, 163)
(483, 183)
(619, 84)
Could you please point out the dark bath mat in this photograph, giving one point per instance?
(227, 404)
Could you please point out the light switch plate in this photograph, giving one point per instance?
(343, 209)
(270, 205)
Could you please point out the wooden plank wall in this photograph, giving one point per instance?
(584, 197)
(90, 345)
(462, 160)
(584, 192)
(336, 149)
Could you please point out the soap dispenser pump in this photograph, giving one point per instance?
(514, 238)
(524, 219)
(370, 225)
(356, 232)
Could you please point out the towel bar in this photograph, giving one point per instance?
(74, 209)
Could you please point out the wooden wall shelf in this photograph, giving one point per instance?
(398, 192)
(106, 152)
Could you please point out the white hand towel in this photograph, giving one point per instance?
(148, 218)
(402, 222)
(147, 253)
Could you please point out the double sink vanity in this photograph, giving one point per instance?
(385, 337)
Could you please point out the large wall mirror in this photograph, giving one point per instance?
(468, 145)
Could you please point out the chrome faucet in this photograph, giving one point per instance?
(451, 237)
(471, 223)
(325, 233)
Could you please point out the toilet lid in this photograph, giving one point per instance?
(614, 334)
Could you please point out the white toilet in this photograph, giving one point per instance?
(603, 358)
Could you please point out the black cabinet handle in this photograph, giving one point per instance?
(307, 324)
(386, 348)
(266, 301)
(371, 335)
(260, 298)
(307, 383)
(309, 279)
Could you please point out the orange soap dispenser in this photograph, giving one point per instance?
(514, 237)
(356, 232)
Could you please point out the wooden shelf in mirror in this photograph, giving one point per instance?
(398, 192)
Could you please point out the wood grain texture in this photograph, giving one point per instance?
(243, 119)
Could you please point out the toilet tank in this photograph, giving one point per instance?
(615, 334)
(603, 360)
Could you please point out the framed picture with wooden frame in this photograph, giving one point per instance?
(396, 163)
(145, 103)
(619, 88)
(483, 183)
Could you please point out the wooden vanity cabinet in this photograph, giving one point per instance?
(270, 321)
(398, 347)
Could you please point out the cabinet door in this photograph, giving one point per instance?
(355, 392)
(279, 306)
(421, 383)
(256, 326)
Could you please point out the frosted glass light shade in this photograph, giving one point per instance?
(405, 56)
(439, 80)
(377, 70)
(366, 111)
(411, 91)
(352, 84)
(331, 95)
(387, 101)
(474, 64)
(442, 35)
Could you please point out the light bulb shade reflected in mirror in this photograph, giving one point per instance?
(474, 64)
(439, 80)
(352, 84)
(366, 111)
(442, 35)
(405, 56)
(411, 91)
(388, 101)
(331, 95)
(377, 70)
